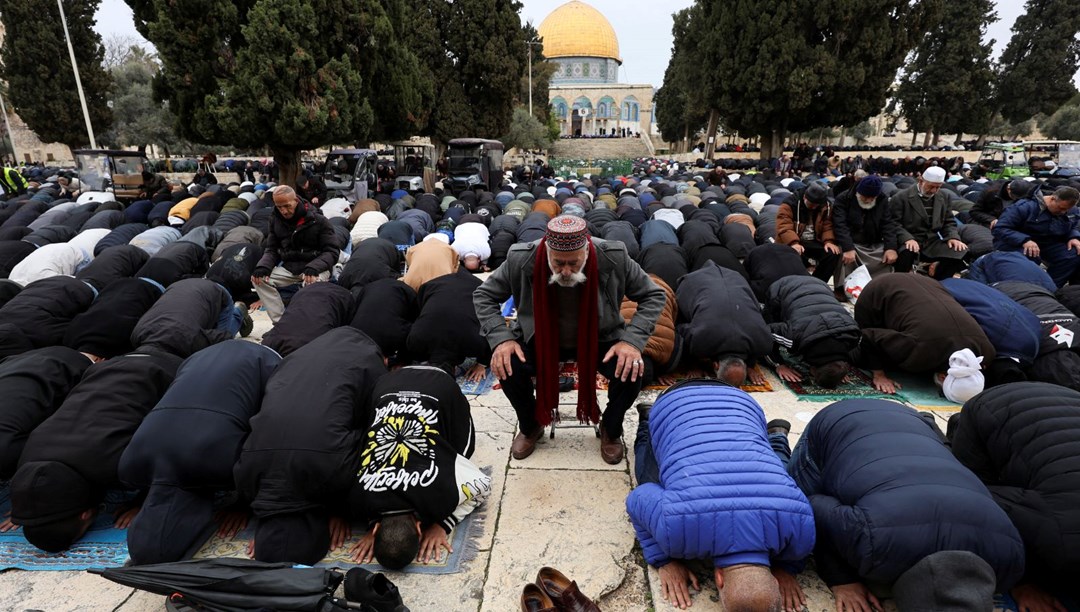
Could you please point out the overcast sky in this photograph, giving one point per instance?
(643, 28)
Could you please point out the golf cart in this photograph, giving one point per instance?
(415, 165)
(475, 163)
(1003, 160)
(349, 173)
(1065, 155)
(111, 171)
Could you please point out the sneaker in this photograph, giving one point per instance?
(643, 410)
(778, 426)
(247, 324)
(373, 591)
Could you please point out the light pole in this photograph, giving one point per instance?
(78, 81)
(531, 43)
(7, 128)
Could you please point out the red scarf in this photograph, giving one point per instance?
(546, 340)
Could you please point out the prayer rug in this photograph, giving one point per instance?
(102, 546)
(569, 370)
(857, 384)
(693, 372)
(464, 541)
(920, 391)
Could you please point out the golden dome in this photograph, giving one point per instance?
(576, 29)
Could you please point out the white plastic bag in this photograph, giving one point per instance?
(965, 379)
(855, 282)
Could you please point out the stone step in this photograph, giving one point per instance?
(599, 148)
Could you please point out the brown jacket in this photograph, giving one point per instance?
(661, 343)
(791, 223)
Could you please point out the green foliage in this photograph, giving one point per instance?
(404, 86)
(139, 119)
(862, 132)
(947, 85)
(554, 130)
(1036, 69)
(680, 112)
(1064, 124)
(526, 132)
(803, 64)
(1007, 130)
(37, 67)
(542, 71)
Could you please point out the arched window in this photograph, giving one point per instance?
(607, 108)
(560, 107)
(630, 109)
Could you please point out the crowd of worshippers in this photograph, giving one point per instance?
(114, 319)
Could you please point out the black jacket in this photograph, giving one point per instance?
(105, 328)
(447, 331)
(121, 235)
(313, 311)
(121, 261)
(185, 319)
(87, 435)
(11, 253)
(423, 408)
(770, 262)
(40, 314)
(305, 244)
(234, 268)
(853, 225)
(890, 493)
(33, 386)
(806, 319)
(666, 261)
(913, 323)
(371, 260)
(991, 203)
(176, 261)
(1033, 471)
(385, 310)
(299, 459)
(722, 316)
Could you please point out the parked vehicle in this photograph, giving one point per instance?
(113, 171)
(350, 173)
(1002, 160)
(415, 166)
(474, 163)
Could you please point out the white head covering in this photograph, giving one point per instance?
(965, 379)
(934, 174)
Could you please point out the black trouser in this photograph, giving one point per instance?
(946, 266)
(621, 395)
(826, 261)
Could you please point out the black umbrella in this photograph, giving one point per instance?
(235, 584)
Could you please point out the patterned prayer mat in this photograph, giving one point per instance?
(857, 384)
(463, 540)
(103, 545)
(920, 391)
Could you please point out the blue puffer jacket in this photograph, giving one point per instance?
(890, 493)
(724, 493)
(1002, 266)
(1014, 330)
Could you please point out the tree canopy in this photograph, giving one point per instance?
(37, 67)
(1036, 69)
(680, 110)
(138, 119)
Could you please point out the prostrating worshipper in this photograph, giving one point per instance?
(105, 328)
(193, 314)
(33, 385)
(910, 322)
(472, 243)
(567, 288)
(371, 260)
(39, 315)
(70, 460)
(447, 332)
(429, 259)
(768, 263)
(712, 484)
(1004, 436)
(664, 348)
(895, 510)
(298, 466)
(806, 320)
(233, 271)
(385, 311)
(120, 261)
(176, 261)
(927, 227)
(415, 482)
(1001, 266)
(301, 248)
(1058, 360)
(721, 324)
(313, 311)
(184, 451)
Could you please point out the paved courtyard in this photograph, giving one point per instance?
(562, 507)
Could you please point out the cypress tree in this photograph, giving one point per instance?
(1036, 69)
(37, 67)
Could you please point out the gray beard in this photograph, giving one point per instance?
(865, 206)
(575, 279)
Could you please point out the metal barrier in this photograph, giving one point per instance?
(581, 167)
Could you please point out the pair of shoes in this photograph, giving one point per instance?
(778, 426)
(611, 450)
(525, 444)
(246, 325)
(566, 384)
(374, 592)
(563, 592)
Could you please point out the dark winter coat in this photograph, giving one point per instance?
(770, 262)
(121, 261)
(185, 319)
(447, 330)
(665, 261)
(1057, 320)
(33, 386)
(238, 235)
(1032, 471)
(1009, 266)
(293, 459)
(1013, 330)
(385, 310)
(721, 316)
(889, 493)
(11, 253)
(371, 260)
(313, 311)
(911, 322)
(806, 319)
(305, 244)
(931, 232)
(120, 235)
(105, 328)
(854, 225)
(176, 261)
(40, 314)
(234, 268)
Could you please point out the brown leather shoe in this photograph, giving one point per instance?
(533, 599)
(563, 592)
(610, 450)
(524, 445)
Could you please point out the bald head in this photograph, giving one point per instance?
(285, 201)
(731, 370)
(749, 588)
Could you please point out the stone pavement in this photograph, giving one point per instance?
(562, 507)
